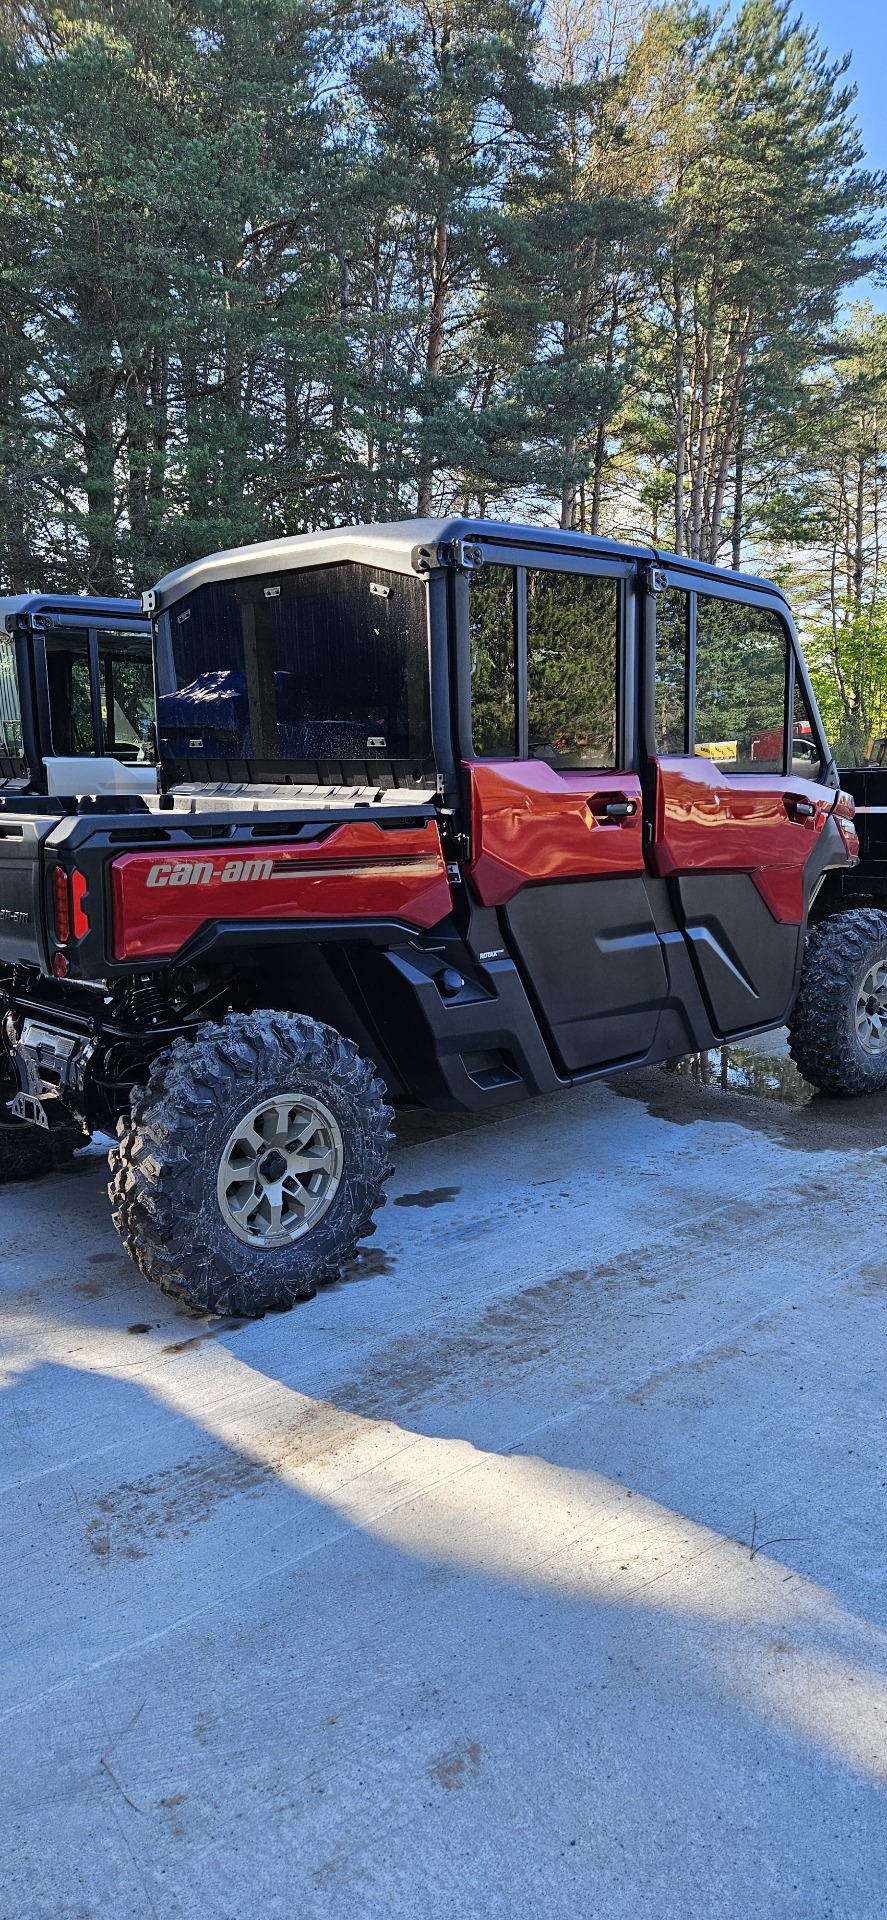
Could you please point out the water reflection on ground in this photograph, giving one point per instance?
(747, 1069)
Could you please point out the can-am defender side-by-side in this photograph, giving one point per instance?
(453, 813)
(76, 716)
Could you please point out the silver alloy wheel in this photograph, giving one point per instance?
(871, 1009)
(280, 1170)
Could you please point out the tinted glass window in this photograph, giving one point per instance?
(672, 623)
(572, 628)
(740, 686)
(70, 710)
(127, 683)
(493, 686)
(806, 758)
(325, 665)
(10, 711)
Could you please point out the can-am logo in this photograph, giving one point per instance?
(197, 873)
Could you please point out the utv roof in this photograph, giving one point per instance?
(81, 604)
(392, 545)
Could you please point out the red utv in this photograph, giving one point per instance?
(451, 813)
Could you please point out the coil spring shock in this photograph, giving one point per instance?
(146, 1005)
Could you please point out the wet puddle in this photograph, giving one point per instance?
(738, 1069)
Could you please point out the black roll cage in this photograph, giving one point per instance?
(642, 579)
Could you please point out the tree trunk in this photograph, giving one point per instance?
(700, 453)
(600, 439)
(99, 461)
(15, 559)
(738, 503)
(730, 433)
(568, 491)
(434, 351)
(680, 424)
(859, 533)
(159, 444)
(137, 432)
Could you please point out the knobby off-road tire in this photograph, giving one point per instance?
(199, 1156)
(838, 1026)
(26, 1152)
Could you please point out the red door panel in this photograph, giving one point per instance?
(561, 854)
(708, 821)
(531, 822)
(737, 847)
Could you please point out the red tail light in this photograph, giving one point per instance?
(61, 905)
(81, 917)
(69, 912)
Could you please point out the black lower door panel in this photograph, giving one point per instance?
(591, 958)
(745, 960)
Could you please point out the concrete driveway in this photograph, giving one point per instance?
(536, 1570)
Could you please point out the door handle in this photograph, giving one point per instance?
(615, 810)
(798, 809)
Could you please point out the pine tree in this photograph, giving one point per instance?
(770, 217)
(446, 92)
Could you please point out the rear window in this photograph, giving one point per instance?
(322, 671)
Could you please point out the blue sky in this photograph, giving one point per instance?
(859, 27)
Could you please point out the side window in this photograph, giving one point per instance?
(127, 697)
(806, 759)
(572, 652)
(70, 709)
(740, 686)
(672, 642)
(493, 653)
(10, 711)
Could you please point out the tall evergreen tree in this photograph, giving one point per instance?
(446, 92)
(578, 227)
(827, 521)
(770, 217)
(174, 169)
(263, 268)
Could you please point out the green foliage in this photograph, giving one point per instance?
(826, 522)
(848, 668)
(266, 265)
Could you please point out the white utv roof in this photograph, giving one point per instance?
(393, 545)
(82, 606)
